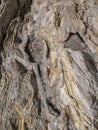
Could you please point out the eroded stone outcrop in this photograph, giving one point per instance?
(50, 67)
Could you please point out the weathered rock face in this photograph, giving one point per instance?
(49, 68)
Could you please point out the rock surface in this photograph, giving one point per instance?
(49, 65)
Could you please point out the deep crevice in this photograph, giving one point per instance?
(71, 34)
(26, 126)
(39, 70)
(39, 107)
(80, 37)
(28, 52)
(48, 50)
(76, 7)
(53, 107)
(13, 124)
(18, 2)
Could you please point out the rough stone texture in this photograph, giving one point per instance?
(49, 65)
